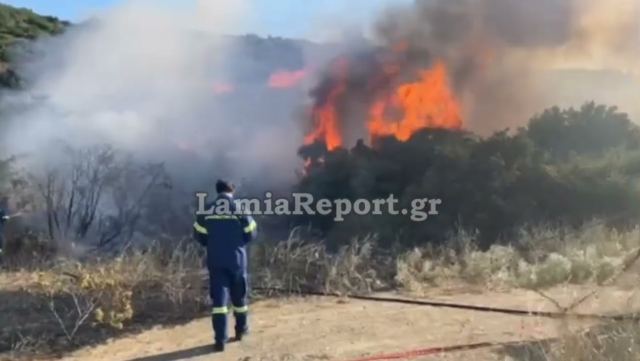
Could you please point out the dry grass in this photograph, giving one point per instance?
(592, 255)
(542, 258)
(618, 341)
(73, 304)
(70, 304)
(298, 265)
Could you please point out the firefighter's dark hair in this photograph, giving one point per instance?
(225, 186)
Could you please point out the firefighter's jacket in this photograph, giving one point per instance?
(225, 232)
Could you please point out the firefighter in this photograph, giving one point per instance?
(225, 233)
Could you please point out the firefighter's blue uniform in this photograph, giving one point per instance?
(225, 233)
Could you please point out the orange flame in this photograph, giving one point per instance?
(325, 116)
(427, 103)
(286, 79)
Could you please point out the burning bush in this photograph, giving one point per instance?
(494, 185)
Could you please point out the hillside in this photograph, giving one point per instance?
(17, 25)
(257, 57)
(535, 236)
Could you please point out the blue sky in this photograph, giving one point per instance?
(291, 18)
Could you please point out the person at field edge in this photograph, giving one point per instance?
(225, 233)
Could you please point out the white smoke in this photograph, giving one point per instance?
(141, 77)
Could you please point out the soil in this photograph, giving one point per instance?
(338, 329)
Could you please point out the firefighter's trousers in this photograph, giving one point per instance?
(222, 284)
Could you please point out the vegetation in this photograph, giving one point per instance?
(59, 305)
(17, 25)
(611, 341)
(553, 203)
(593, 254)
(564, 169)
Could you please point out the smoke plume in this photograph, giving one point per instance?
(146, 79)
(156, 82)
(505, 61)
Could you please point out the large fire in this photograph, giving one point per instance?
(326, 123)
(428, 102)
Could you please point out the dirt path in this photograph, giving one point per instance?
(330, 329)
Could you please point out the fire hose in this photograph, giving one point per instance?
(564, 314)
(412, 354)
(459, 306)
(407, 355)
(626, 266)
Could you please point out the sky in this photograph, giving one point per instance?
(288, 18)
